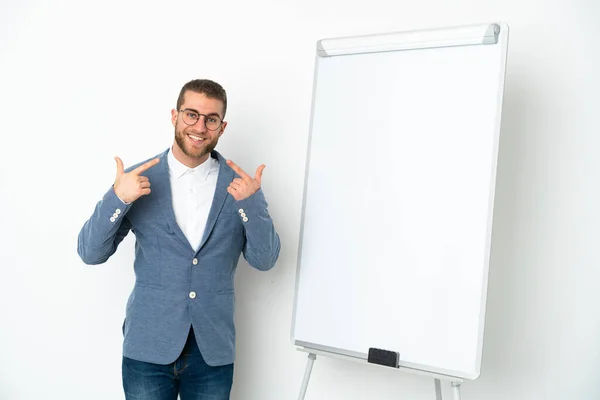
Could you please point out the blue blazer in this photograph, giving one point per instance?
(175, 286)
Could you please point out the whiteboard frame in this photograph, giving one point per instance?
(501, 31)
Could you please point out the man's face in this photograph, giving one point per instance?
(196, 141)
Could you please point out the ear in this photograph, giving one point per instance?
(174, 114)
(223, 126)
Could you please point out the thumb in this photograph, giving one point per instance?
(120, 169)
(259, 171)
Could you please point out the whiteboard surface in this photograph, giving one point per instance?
(398, 204)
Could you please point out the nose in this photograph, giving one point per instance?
(200, 123)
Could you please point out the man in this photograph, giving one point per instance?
(193, 214)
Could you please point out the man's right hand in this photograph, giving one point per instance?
(131, 186)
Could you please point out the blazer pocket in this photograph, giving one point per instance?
(148, 269)
(149, 285)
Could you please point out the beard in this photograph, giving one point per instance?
(207, 146)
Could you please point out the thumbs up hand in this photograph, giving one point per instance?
(245, 186)
(131, 186)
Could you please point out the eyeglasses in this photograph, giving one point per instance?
(211, 122)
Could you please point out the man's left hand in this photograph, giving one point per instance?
(245, 186)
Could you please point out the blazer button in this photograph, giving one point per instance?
(195, 261)
(192, 295)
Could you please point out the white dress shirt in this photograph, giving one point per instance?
(192, 190)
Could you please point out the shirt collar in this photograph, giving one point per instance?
(178, 169)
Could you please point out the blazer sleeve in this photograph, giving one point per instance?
(262, 245)
(107, 227)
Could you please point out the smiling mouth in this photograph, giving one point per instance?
(196, 139)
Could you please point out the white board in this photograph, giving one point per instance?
(399, 194)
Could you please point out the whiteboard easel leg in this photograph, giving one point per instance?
(309, 365)
(438, 389)
(456, 390)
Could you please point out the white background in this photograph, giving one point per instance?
(82, 82)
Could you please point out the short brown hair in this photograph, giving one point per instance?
(207, 87)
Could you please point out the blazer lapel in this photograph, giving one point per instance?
(223, 181)
(161, 183)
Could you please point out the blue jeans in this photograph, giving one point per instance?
(189, 377)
